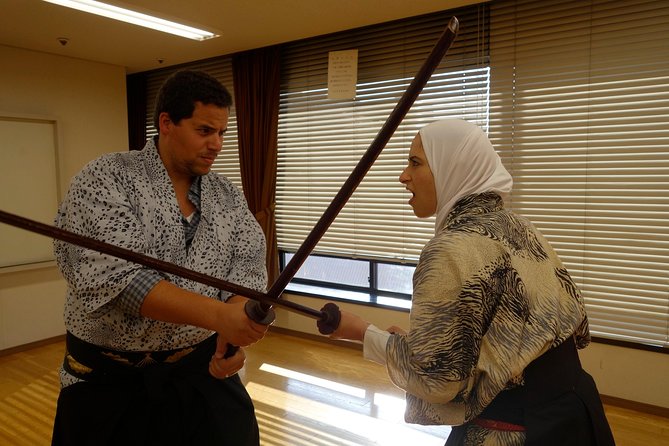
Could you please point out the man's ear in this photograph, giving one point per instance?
(164, 122)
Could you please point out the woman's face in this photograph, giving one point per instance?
(417, 178)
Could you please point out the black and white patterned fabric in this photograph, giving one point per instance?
(490, 296)
(127, 199)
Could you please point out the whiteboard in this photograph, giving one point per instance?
(28, 187)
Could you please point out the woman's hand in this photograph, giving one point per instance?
(351, 327)
(394, 329)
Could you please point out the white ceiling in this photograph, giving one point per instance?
(242, 24)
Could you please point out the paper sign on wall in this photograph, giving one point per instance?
(342, 74)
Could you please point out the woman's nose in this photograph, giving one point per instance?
(404, 177)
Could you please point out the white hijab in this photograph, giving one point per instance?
(463, 162)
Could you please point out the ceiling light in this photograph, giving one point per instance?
(136, 18)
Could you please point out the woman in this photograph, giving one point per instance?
(496, 318)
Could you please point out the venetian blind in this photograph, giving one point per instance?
(580, 115)
(227, 162)
(321, 140)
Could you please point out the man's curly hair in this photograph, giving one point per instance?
(179, 93)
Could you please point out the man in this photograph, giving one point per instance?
(145, 350)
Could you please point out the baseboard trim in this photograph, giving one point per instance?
(636, 406)
(31, 345)
(315, 337)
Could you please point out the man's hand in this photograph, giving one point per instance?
(220, 367)
(235, 327)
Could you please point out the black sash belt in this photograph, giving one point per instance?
(99, 364)
(151, 399)
(546, 378)
(557, 405)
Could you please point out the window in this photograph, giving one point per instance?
(322, 140)
(575, 98)
(369, 281)
(579, 107)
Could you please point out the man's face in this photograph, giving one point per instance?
(189, 148)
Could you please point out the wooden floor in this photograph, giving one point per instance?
(306, 393)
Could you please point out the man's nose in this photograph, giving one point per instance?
(216, 142)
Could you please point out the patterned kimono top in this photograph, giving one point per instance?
(490, 295)
(127, 199)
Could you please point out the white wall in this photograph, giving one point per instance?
(89, 102)
(630, 374)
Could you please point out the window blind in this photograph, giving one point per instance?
(321, 140)
(580, 116)
(227, 163)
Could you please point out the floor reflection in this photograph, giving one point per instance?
(301, 409)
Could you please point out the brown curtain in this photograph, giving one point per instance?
(256, 83)
(136, 100)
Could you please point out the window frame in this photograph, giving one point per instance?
(370, 295)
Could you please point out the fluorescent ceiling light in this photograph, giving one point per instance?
(136, 18)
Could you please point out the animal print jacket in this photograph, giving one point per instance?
(127, 199)
(490, 295)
